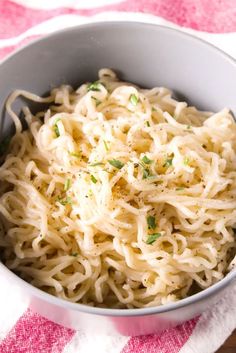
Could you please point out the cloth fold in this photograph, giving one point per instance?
(21, 330)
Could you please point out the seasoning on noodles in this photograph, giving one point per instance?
(118, 196)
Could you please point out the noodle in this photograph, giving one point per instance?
(118, 196)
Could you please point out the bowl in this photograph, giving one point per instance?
(149, 56)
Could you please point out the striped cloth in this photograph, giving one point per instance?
(21, 330)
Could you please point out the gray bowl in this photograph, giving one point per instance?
(149, 56)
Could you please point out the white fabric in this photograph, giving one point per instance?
(225, 41)
(214, 326)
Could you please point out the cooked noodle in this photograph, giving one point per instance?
(118, 196)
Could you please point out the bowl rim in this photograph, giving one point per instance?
(40, 294)
(98, 23)
(78, 307)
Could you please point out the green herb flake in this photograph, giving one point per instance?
(96, 164)
(105, 145)
(146, 173)
(146, 160)
(65, 201)
(186, 161)
(67, 184)
(97, 101)
(74, 254)
(133, 99)
(55, 128)
(180, 189)
(93, 179)
(154, 109)
(188, 127)
(151, 221)
(168, 162)
(152, 238)
(94, 86)
(4, 145)
(147, 123)
(116, 163)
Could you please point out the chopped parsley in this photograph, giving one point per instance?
(180, 189)
(116, 163)
(186, 161)
(168, 162)
(67, 184)
(152, 238)
(154, 109)
(55, 128)
(188, 127)
(147, 123)
(146, 173)
(94, 86)
(93, 179)
(4, 145)
(146, 160)
(97, 101)
(65, 201)
(105, 145)
(133, 99)
(74, 254)
(151, 221)
(96, 164)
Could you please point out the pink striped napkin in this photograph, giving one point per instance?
(21, 330)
